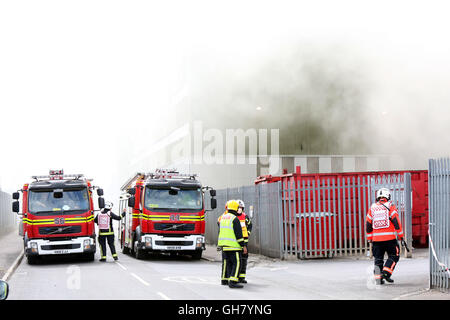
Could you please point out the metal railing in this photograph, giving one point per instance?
(439, 225)
(326, 218)
(313, 218)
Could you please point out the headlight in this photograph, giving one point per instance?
(86, 244)
(199, 242)
(148, 242)
(34, 246)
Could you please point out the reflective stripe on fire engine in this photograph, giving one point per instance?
(166, 217)
(52, 221)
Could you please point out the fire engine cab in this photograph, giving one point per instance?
(165, 213)
(58, 215)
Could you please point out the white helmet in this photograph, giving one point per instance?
(108, 205)
(241, 204)
(383, 193)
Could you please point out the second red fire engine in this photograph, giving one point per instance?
(165, 213)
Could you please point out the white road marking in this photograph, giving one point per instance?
(192, 279)
(120, 265)
(140, 279)
(163, 296)
(411, 294)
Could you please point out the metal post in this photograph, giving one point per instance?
(339, 216)
(280, 219)
(408, 213)
(329, 219)
(298, 221)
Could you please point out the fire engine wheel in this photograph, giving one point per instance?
(89, 256)
(138, 253)
(197, 254)
(32, 260)
(125, 249)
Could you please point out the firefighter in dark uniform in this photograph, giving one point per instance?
(246, 226)
(105, 230)
(383, 227)
(224, 279)
(232, 243)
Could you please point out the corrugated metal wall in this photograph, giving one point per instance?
(262, 203)
(7, 217)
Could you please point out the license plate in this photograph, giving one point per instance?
(60, 251)
(173, 248)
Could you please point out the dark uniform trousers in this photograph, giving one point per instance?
(102, 239)
(379, 248)
(243, 270)
(231, 265)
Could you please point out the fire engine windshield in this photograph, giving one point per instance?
(46, 201)
(157, 199)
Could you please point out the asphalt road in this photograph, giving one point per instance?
(180, 278)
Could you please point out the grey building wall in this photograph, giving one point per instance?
(7, 217)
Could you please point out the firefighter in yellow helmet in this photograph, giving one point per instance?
(232, 243)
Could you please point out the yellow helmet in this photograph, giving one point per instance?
(233, 205)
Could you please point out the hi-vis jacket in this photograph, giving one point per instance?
(230, 233)
(104, 222)
(383, 222)
(246, 226)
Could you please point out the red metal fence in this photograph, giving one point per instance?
(352, 198)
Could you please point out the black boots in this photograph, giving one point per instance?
(387, 277)
(234, 284)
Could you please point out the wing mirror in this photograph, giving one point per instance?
(4, 290)
(15, 206)
(213, 203)
(101, 202)
(131, 202)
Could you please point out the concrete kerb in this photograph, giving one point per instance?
(13, 267)
(11, 253)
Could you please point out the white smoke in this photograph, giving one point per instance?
(85, 86)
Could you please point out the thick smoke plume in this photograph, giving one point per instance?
(328, 100)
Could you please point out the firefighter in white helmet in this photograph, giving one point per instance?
(106, 231)
(246, 230)
(383, 227)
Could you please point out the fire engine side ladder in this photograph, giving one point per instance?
(130, 181)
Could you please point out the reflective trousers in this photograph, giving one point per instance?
(102, 239)
(243, 270)
(231, 265)
(379, 248)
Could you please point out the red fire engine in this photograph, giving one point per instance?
(165, 213)
(58, 215)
